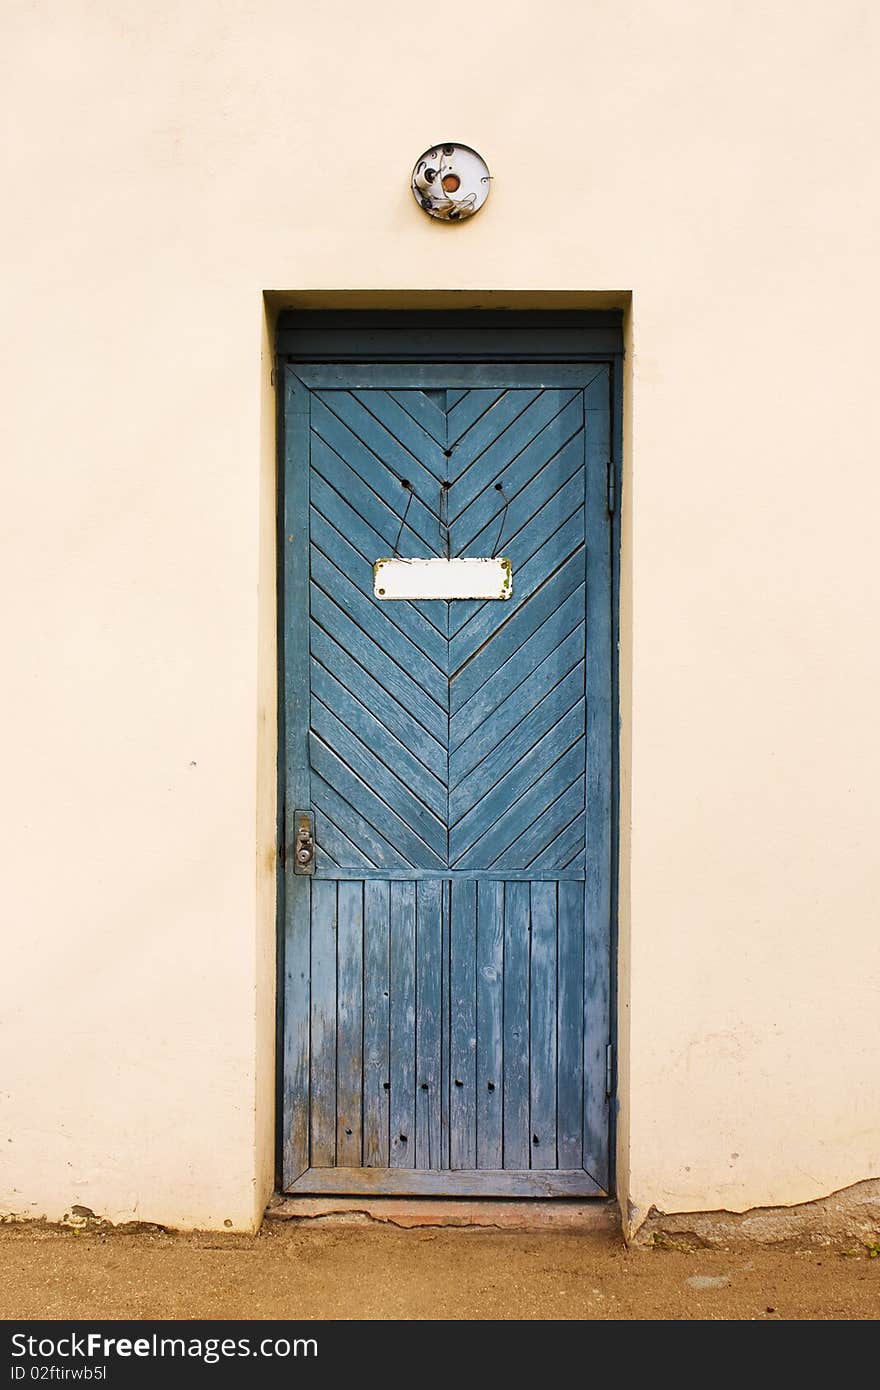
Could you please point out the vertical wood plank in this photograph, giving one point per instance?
(570, 1089)
(542, 1026)
(463, 1039)
(445, 1023)
(402, 1146)
(429, 897)
(323, 1024)
(295, 1156)
(517, 1140)
(490, 1012)
(377, 1065)
(599, 780)
(349, 1029)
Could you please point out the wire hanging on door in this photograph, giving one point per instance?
(443, 527)
(499, 487)
(408, 487)
(439, 516)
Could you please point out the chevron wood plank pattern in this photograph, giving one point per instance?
(497, 688)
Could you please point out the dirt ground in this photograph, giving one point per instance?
(367, 1271)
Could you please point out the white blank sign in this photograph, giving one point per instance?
(414, 579)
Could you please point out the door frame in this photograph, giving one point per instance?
(388, 336)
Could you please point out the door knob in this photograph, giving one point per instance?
(304, 843)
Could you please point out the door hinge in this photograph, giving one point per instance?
(609, 1070)
(612, 487)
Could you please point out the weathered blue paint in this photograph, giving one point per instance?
(447, 1006)
(517, 933)
(322, 1086)
(402, 1031)
(490, 1023)
(349, 1023)
(570, 1026)
(601, 750)
(428, 1021)
(490, 1182)
(543, 1074)
(377, 1014)
(295, 779)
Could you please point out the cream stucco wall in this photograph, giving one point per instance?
(170, 163)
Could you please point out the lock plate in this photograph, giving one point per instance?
(303, 848)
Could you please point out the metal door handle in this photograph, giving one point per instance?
(304, 843)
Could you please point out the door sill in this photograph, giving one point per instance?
(599, 1216)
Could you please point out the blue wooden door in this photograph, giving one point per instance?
(447, 965)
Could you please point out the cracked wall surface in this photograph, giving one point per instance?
(849, 1217)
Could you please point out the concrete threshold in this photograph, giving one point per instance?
(594, 1217)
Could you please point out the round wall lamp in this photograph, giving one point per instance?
(450, 182)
